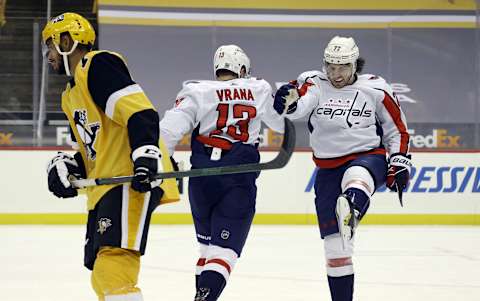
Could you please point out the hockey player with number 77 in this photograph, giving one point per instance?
(354, 120)
(225, 116)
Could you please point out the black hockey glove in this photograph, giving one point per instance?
(286, 99)
(146, 164)
(60, 170)
(398, 175)
(174, 164)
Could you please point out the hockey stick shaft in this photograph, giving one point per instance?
(286, 150)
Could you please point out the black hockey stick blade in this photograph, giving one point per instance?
(282, 158)
(400, 195)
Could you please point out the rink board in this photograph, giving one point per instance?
(445, 189)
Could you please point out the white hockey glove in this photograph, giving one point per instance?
(146, 164)
(286, 99)
(60, 170)
(398, 175)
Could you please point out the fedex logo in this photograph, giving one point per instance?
(434, 179)
(438, 138)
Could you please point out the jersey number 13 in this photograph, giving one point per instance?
(238, 131)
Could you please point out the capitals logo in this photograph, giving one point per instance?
(88, 132)
(345, 108)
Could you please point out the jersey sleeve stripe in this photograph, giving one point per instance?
(143, 217)
(115, 97)
(107, 73)
(304, 88)
(395, 113)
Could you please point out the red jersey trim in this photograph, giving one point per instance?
(304, 88)
(215, 142)
(394, 111)
(336, 162)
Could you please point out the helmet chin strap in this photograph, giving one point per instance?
(65, 56)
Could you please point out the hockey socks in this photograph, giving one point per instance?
(210, 285)
(199, 269)
(341, 288)
(212, 272)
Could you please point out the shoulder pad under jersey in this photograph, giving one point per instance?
(254, 82)
(375, 82)
(191, 87)
(259, 81)
(104, 54)
(305, 76)
(199, 85)
(191, 81)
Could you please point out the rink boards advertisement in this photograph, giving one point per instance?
(445, 189)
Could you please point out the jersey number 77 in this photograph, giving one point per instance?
(238, 131)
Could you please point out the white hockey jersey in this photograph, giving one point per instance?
(225, 112)
(364, 117)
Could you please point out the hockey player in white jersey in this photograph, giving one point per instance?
(354, 121)
(225, 116)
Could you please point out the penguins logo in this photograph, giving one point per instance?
(103, 224)
(88, 132)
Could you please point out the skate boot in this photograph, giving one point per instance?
(347, 217)
(202, 294)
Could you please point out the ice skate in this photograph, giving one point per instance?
(346, 218)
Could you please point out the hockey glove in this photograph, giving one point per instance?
(398, 175)
(146, 164)
(286, 99)
(60, 169)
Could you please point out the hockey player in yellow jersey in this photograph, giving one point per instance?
(114, 129)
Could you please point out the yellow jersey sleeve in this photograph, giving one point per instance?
(113, 89)
(169, 186)
(121, 99)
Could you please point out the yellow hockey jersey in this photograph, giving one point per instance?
(107, 112)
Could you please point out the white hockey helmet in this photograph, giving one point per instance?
(232, 58)
(341, 50)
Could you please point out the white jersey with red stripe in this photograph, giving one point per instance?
(357, 118)
(225, 112)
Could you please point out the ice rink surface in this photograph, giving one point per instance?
(279, 263)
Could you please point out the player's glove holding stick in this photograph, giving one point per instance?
(60, 170)
(146, 164)
(398, 175)
(286, 99)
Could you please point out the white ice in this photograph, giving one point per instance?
(279, 263)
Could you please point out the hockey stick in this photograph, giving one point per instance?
(279, 161)
(400, 194)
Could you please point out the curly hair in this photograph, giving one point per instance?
(360, 64)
